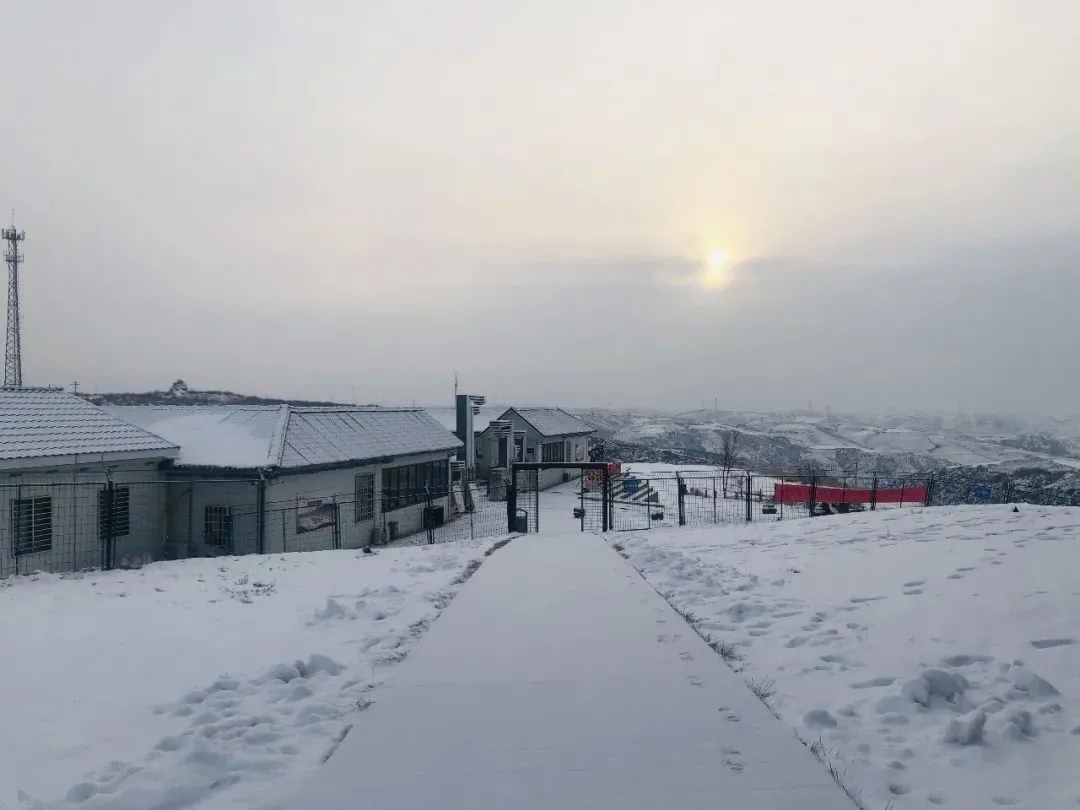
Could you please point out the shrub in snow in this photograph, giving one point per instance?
(932, 687)
(966, 730)
(1016, 724)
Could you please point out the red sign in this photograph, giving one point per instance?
(800, 493)
(613, 468)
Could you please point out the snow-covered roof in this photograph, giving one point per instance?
(289, 437)
(40, 423)
(551, 421)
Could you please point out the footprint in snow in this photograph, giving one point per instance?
(1047, 643)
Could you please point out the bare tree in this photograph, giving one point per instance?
(729, 455)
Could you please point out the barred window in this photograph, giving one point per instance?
(553, 451)
(405, 485)
(121, 512)
(218, 526)
(365, 496)
(31, 522)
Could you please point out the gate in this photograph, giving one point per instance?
(523, 495)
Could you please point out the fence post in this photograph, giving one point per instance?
(873, 495)
(811, 499)
(261, 517)
(581, 495)
(106, 516)
(605, 497)
(929, 492)
(511, 501)
(681, 489)
(337, 524)
(17, 526)
(715, 518)
(749, 497)
(429, 516)
(903, 486)
(191, 521)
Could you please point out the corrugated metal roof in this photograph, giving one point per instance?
(553, 421)
(331, 435)
(253, 436)
(40, 423)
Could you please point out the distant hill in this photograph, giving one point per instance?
(179, 394)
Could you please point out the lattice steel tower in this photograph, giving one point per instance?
(13, 340)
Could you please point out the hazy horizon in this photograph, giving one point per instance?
(584, 204)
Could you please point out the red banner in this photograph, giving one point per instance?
(614, 468)
(800, 493)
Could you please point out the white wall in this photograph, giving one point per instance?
(286, 492)
(186, 509)
(76, 541)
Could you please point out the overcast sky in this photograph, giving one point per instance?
(351, 199)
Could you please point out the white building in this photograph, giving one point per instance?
(79, 488)
(282, 478)
(539, 434)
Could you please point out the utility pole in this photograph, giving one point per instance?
(13, 338)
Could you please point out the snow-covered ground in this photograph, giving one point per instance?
(934, 652)
(213, 682)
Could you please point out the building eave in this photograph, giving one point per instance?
(203, 471)
(38, 463)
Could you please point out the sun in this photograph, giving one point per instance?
(716, 273)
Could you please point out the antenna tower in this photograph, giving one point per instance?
(13, 339)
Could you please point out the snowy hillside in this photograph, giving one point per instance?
(894, 443)
(933, 653)
(180, 394)
(218, 682)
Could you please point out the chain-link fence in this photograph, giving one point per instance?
(63, 526)
(638, 501)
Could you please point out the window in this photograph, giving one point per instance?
(553, 451)
(218, 526)
(405, 485)
(31, 523)
(364, 505)
(121, 512)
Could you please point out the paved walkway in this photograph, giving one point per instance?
(559, 680)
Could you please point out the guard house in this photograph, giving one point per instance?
(532, 434)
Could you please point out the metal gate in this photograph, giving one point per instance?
(523, 495)
(526, 488)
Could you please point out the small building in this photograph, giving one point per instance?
(279, 478)
(538, 434)
(79, 487)
(466, 420)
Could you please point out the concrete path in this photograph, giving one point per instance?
(559, 680)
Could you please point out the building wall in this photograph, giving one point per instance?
(187, 500)
(287, 494)
(74, 514)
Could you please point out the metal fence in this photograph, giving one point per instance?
(60, 526)
(659, 499)
(97, 523)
